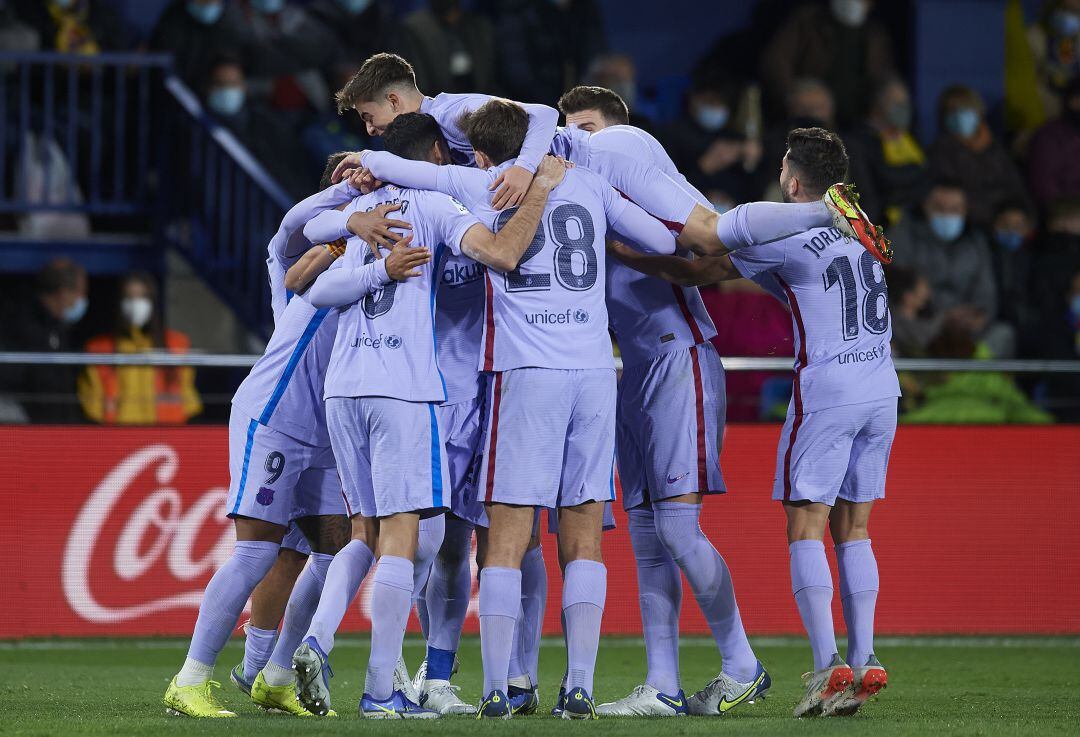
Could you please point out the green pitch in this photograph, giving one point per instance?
(938, 687)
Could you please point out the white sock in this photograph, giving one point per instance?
(520, 682)
(193, 673)
(275, 675)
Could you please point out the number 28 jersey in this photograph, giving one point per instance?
(840, 309)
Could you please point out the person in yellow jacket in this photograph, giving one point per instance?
(139, 395)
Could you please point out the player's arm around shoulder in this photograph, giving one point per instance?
(503, 251)
(686, 272)
(513, 183)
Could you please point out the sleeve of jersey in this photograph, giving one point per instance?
(305, 210)
(542, 122)
(337, 287)
(327, 226)
(454, 219)
(402, 172)
(753, 261)
(636, 226)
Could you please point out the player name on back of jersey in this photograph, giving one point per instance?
(824, 238)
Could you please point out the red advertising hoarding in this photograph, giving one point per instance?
(116, 532)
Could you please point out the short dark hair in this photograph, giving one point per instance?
(377, 74)
(944, 181)
(331, 163)
(411, 136)
(586, 97)
(497, 128)
(818, 156)
(60, 273)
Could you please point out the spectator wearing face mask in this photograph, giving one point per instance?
(270, 140)
(1011, 251)
(707, 147)
(139, 395)
(618, 73)
(450, 48)
(1055, 150)
(967, 150)
(837, 42)
(809, 104)
(887, 163)
(42, 323)
(1055, 44)
(74, 26)
(199, 31)
(956, 261)
(359, 28)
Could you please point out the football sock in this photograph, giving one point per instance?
(391, 599)
(584, 593)
(343, 579)
(758, 223)
(258, 644)
(500, 602)
(679, 529)
(276, 675)
(428, 541)
(301, 608)
(514, 668)
(660, 597)
(811, 582)
(858, 594)
(447, 595)
(534, 586)
(222, 603)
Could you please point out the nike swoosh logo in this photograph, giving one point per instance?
(670, 702)
(725, 705)
(673, 479)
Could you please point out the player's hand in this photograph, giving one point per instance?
(620, 250)
(405, 261)
(352, 161)
(551, 171)
(374, 227)
(363, 181)
(510, 187)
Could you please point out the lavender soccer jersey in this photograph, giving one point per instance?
(459, 326)
(385, 344)
(447, 110)
(839, 305)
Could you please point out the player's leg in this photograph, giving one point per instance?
(523, 674)
(857, 566)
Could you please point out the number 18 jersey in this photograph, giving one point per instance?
(840, 309)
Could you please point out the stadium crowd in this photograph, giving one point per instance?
(984, 217)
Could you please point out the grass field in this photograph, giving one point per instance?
(940, 686)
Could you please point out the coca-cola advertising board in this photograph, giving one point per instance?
(116, 532)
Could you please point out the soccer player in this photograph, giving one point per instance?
(281, 468)
(834, 448)
(671, 199)
(551, 410)
(382, 385)
(672, 379)
(385, 87)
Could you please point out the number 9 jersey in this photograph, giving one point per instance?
(840, 309)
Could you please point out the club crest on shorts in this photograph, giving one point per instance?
(265, 496)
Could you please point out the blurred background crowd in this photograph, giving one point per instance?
(980, 198)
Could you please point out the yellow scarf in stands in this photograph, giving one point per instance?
(73, 34)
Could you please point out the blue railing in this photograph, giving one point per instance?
(138, 149)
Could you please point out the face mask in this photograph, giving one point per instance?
(74, 312)
(1065, 23)
(712, 117)
(206, 14)
(899, 116)
(963, 122)
(64, 4)
(226, 101)
(851, 12)
(268, 6)
(1010, 240)
(354, 7)
(947, 227)
(137, 310)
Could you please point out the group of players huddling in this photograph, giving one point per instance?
(441, 365)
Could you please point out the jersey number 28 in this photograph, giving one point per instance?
(575, 264)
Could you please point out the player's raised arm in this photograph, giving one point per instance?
(503, 251)
(636, 225)
(685, 272)
(346, 283)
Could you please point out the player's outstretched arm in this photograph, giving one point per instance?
(372, 226)
(503, 251)
(676, 269)
(641, 228)
(343, 286)
(303, 211)
(307, 269)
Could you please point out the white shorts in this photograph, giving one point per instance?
(670, 426)
(390, 454)
(463, 425)
(277, 478)
(836, 452)
(295, 540)
(551, 437)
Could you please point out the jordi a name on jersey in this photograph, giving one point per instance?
(377, 341)
(862, 356)
(458, 275)
(818, 243)
(578, 316)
